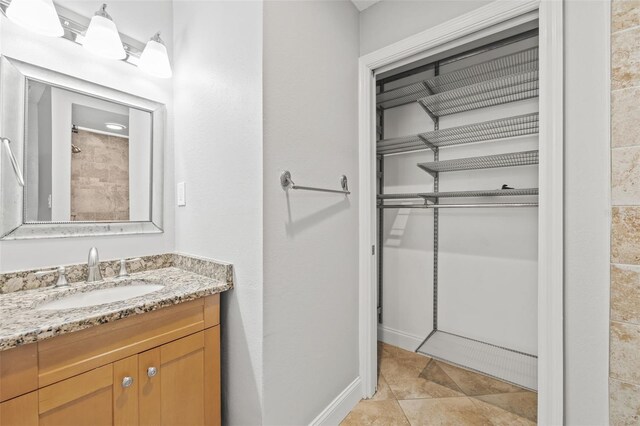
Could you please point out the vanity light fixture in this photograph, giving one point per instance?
(115, 126)
(154, 59)
(39, 16)
(102, 37)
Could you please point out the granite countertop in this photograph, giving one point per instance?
(21, 323)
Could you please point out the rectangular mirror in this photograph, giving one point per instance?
(90, 156)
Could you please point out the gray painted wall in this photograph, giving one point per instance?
(218, 87)
(390, 21)
(586, 212)
(310, 239)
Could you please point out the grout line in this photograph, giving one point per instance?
(403, 412)
(479, 407)
(624, 382)
(624, 30)
(620, 89)
(626, 323)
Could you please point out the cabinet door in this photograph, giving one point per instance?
(125, 391)
(86, 399)
(20, 411)
(104, 396)
(212, 385)
(149, 389)
(182, 381)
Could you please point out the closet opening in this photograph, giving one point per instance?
(457, 152)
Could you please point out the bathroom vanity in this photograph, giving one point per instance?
(87, 160)
(147, 360)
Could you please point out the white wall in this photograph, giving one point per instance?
(487, 257)
(135, 18)
(43, 159)
(390, 21)
(140, 123)
(218, 132)
(310, 238)
(586, 212)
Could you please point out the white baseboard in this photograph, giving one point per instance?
(399, 338)
(338, 409)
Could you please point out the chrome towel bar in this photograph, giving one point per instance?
(287, 182)
(14, 162)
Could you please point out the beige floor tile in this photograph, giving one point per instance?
(625, 117)
(625, 176)
(499, 417)
(625, 286)
(524, 404)
(383, 392)
(473, 384)
(624, 14)
(624, 403)
(625, 235)
(444, 411)
(395, 369)
(625, 60)
(624, 362)
(421, 388)
(433, 372)
(376, 413)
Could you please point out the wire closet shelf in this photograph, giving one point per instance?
(499, 72)
(524, 158)
(502, 128)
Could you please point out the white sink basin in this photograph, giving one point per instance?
(100, 297)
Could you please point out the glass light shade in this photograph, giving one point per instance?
(39, 16)
(154, 59)
(102, 38)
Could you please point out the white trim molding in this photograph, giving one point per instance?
(338, 409)
(406, 341)
(472, 26)
(551, 217)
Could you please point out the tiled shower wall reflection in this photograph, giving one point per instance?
(624, 370)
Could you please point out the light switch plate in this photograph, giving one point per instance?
(182, 198)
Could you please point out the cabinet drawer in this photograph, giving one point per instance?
(18, 371)
(74, 353)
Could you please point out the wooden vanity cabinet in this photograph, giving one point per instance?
(173, 383)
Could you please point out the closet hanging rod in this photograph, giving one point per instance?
(454, 206)
(286, 182)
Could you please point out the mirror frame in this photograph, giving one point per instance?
(14, 75)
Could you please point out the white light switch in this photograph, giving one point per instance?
(182, 198)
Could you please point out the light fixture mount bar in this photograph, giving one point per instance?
(75, 26)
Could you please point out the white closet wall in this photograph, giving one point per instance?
(487, 256)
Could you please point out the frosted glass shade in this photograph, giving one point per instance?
(102, 39)
(154, 60)
(39, 16)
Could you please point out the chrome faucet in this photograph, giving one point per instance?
(94, 266)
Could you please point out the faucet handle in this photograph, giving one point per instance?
(62, 275)
(123, 267)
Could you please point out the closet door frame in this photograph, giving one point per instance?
(479, 23)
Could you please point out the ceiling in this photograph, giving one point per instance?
(363, 4)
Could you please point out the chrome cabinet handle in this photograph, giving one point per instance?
(152, 371)
(14, 162)
(127, 381)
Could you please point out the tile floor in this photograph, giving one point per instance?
(416, 390)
